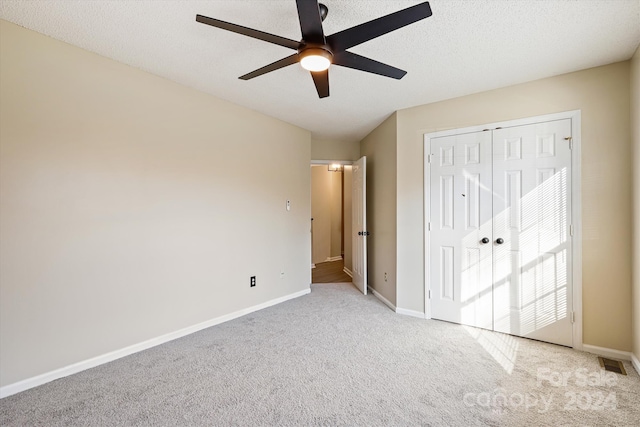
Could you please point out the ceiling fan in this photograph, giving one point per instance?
(316, 52)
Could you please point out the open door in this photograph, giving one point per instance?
(359, 224)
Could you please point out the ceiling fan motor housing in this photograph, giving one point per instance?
(324, 10)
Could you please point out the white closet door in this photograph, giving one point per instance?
(532, 290)
(460, 267)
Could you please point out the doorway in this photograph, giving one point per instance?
(502, 242)
(331, 224)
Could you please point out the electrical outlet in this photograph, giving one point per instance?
(252, 283)
(385, 276)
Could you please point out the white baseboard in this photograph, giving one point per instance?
(348, 272)
(635, 362)
(411, 313)
(607, 352)
(23, 385)
(381, 298)
(333, 258)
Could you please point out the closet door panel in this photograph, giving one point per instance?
(531, 213)
(460, 210)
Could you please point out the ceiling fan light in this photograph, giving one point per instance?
(315, 59)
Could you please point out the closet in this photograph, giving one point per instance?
(499, 232)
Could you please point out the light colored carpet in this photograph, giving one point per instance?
(336, 357)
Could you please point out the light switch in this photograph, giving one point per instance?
(288, 205)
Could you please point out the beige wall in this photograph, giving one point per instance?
(336, 214)
(328, 149)
(380, 148)
(603, 96)
(131, 207)
(348, 237)
(635, 125)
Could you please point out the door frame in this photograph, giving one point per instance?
(327, 163)
(576, 200)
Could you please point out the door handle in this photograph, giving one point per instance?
(359, 233)
(485, 240)
(499, 240)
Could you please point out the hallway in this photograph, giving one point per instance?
(330, 272)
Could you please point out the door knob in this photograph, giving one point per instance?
(485, 240)
(499, 240)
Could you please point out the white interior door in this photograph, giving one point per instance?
(532, 289)
(359, 224)
(510, 188)
(460, 270)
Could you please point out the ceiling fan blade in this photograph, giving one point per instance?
(284, 62)
(357, 62)
(370, 30)
(256, 34)
(310, 21)
(321, 80)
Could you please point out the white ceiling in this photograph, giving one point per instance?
(467, 46)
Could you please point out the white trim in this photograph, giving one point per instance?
(23, 385)
(635, 362)
(348, 272)
(411, 313)
(607, 352)
(426, 148)
(313, 266)
(576, 201)
(381, 298)
(331, 162)
(333, 258)
(576, 220)
(508, 123)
